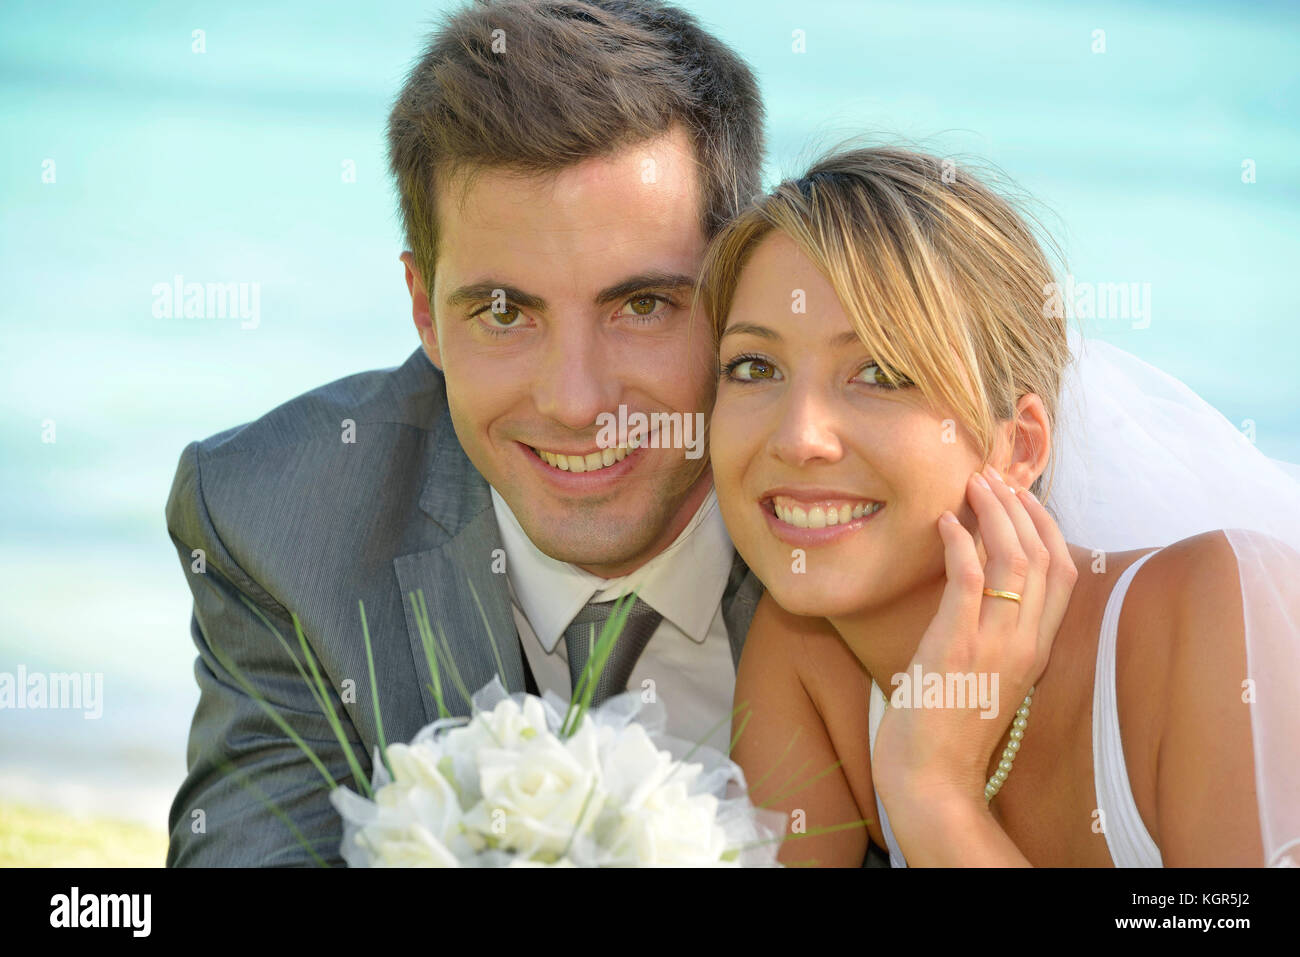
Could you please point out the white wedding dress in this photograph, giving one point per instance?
(1142, 461)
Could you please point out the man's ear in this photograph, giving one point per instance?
(1030, 442)
(424, 326)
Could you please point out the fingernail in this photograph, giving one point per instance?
(948, 517)
(982, 481)
(996, 474)
(1030, 495)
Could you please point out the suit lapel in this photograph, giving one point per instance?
(738, 603)
(461, 591)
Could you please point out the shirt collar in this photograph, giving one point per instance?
(684, 583)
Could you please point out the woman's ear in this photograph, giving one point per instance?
(424, 326)
(1030, 442)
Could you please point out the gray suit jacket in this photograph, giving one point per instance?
(298, 521)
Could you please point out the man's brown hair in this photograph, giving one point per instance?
(538, 85)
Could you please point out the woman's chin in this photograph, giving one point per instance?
(815, 596)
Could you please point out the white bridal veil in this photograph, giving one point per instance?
(1141, 461)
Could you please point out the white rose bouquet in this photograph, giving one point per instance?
(507, 788)
(528, 781)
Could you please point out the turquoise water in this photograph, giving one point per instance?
(227, 166)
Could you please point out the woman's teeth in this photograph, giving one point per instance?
(591, 462)
(823, 515)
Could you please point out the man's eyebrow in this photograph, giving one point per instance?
(650, 280)
(479, 291)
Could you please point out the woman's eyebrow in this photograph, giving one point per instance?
(846, 338)
(750, 329)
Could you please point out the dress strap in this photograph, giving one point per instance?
(1126, 836)
(876, 711)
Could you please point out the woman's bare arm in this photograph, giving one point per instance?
(785, 747)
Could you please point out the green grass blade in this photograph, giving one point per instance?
(597, 658)
(496, 652)
(330, 715)
(581, 814)
(275, 716)
(287, 650)
(374, 690)
(421, 612)
(815, 832)
(744, 722)
(793, 776)
(453, 670)
(776, 764)
(812, 780)
(271, 806)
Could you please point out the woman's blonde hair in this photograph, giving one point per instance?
(943, 280)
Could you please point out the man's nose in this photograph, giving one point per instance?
(576, 380)
(806, 429)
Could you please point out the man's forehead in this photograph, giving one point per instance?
(635, 210)
(657, 178)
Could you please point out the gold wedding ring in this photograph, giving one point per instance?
(995, 593)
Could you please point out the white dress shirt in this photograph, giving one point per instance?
(687, 662)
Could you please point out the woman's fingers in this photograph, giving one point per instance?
(959, 606)
(1033, 591)
(1061, 573)
(1007, 565)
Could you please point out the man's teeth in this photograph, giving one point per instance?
(591, 462)
(820, 516)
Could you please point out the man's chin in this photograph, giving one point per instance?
(610, 550)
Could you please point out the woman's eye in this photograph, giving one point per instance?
(750, 369)
(873, 374)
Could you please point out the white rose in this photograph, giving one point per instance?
(634, 766)
(653, 819)
(505, 726)
(670, 828)
(535, 794)
(417, 819)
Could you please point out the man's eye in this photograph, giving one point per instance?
(495, 319)
(646, 306)
(750, 369)
(873, 374)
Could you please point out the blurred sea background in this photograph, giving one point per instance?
(232, 165)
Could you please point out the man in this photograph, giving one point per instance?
(561, 165)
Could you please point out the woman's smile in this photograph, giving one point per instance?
(814, 516)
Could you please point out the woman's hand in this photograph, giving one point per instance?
(930, 765)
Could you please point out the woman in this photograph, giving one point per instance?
(890, 369)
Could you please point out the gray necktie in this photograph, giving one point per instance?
(640, 625)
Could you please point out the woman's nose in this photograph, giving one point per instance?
(806, 430)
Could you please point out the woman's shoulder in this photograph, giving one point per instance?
(1181, 616)
(1188, 593)
(1181, 682)
(806, 648)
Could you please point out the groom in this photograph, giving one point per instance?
(561, 165)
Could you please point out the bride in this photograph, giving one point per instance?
(932, 655)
